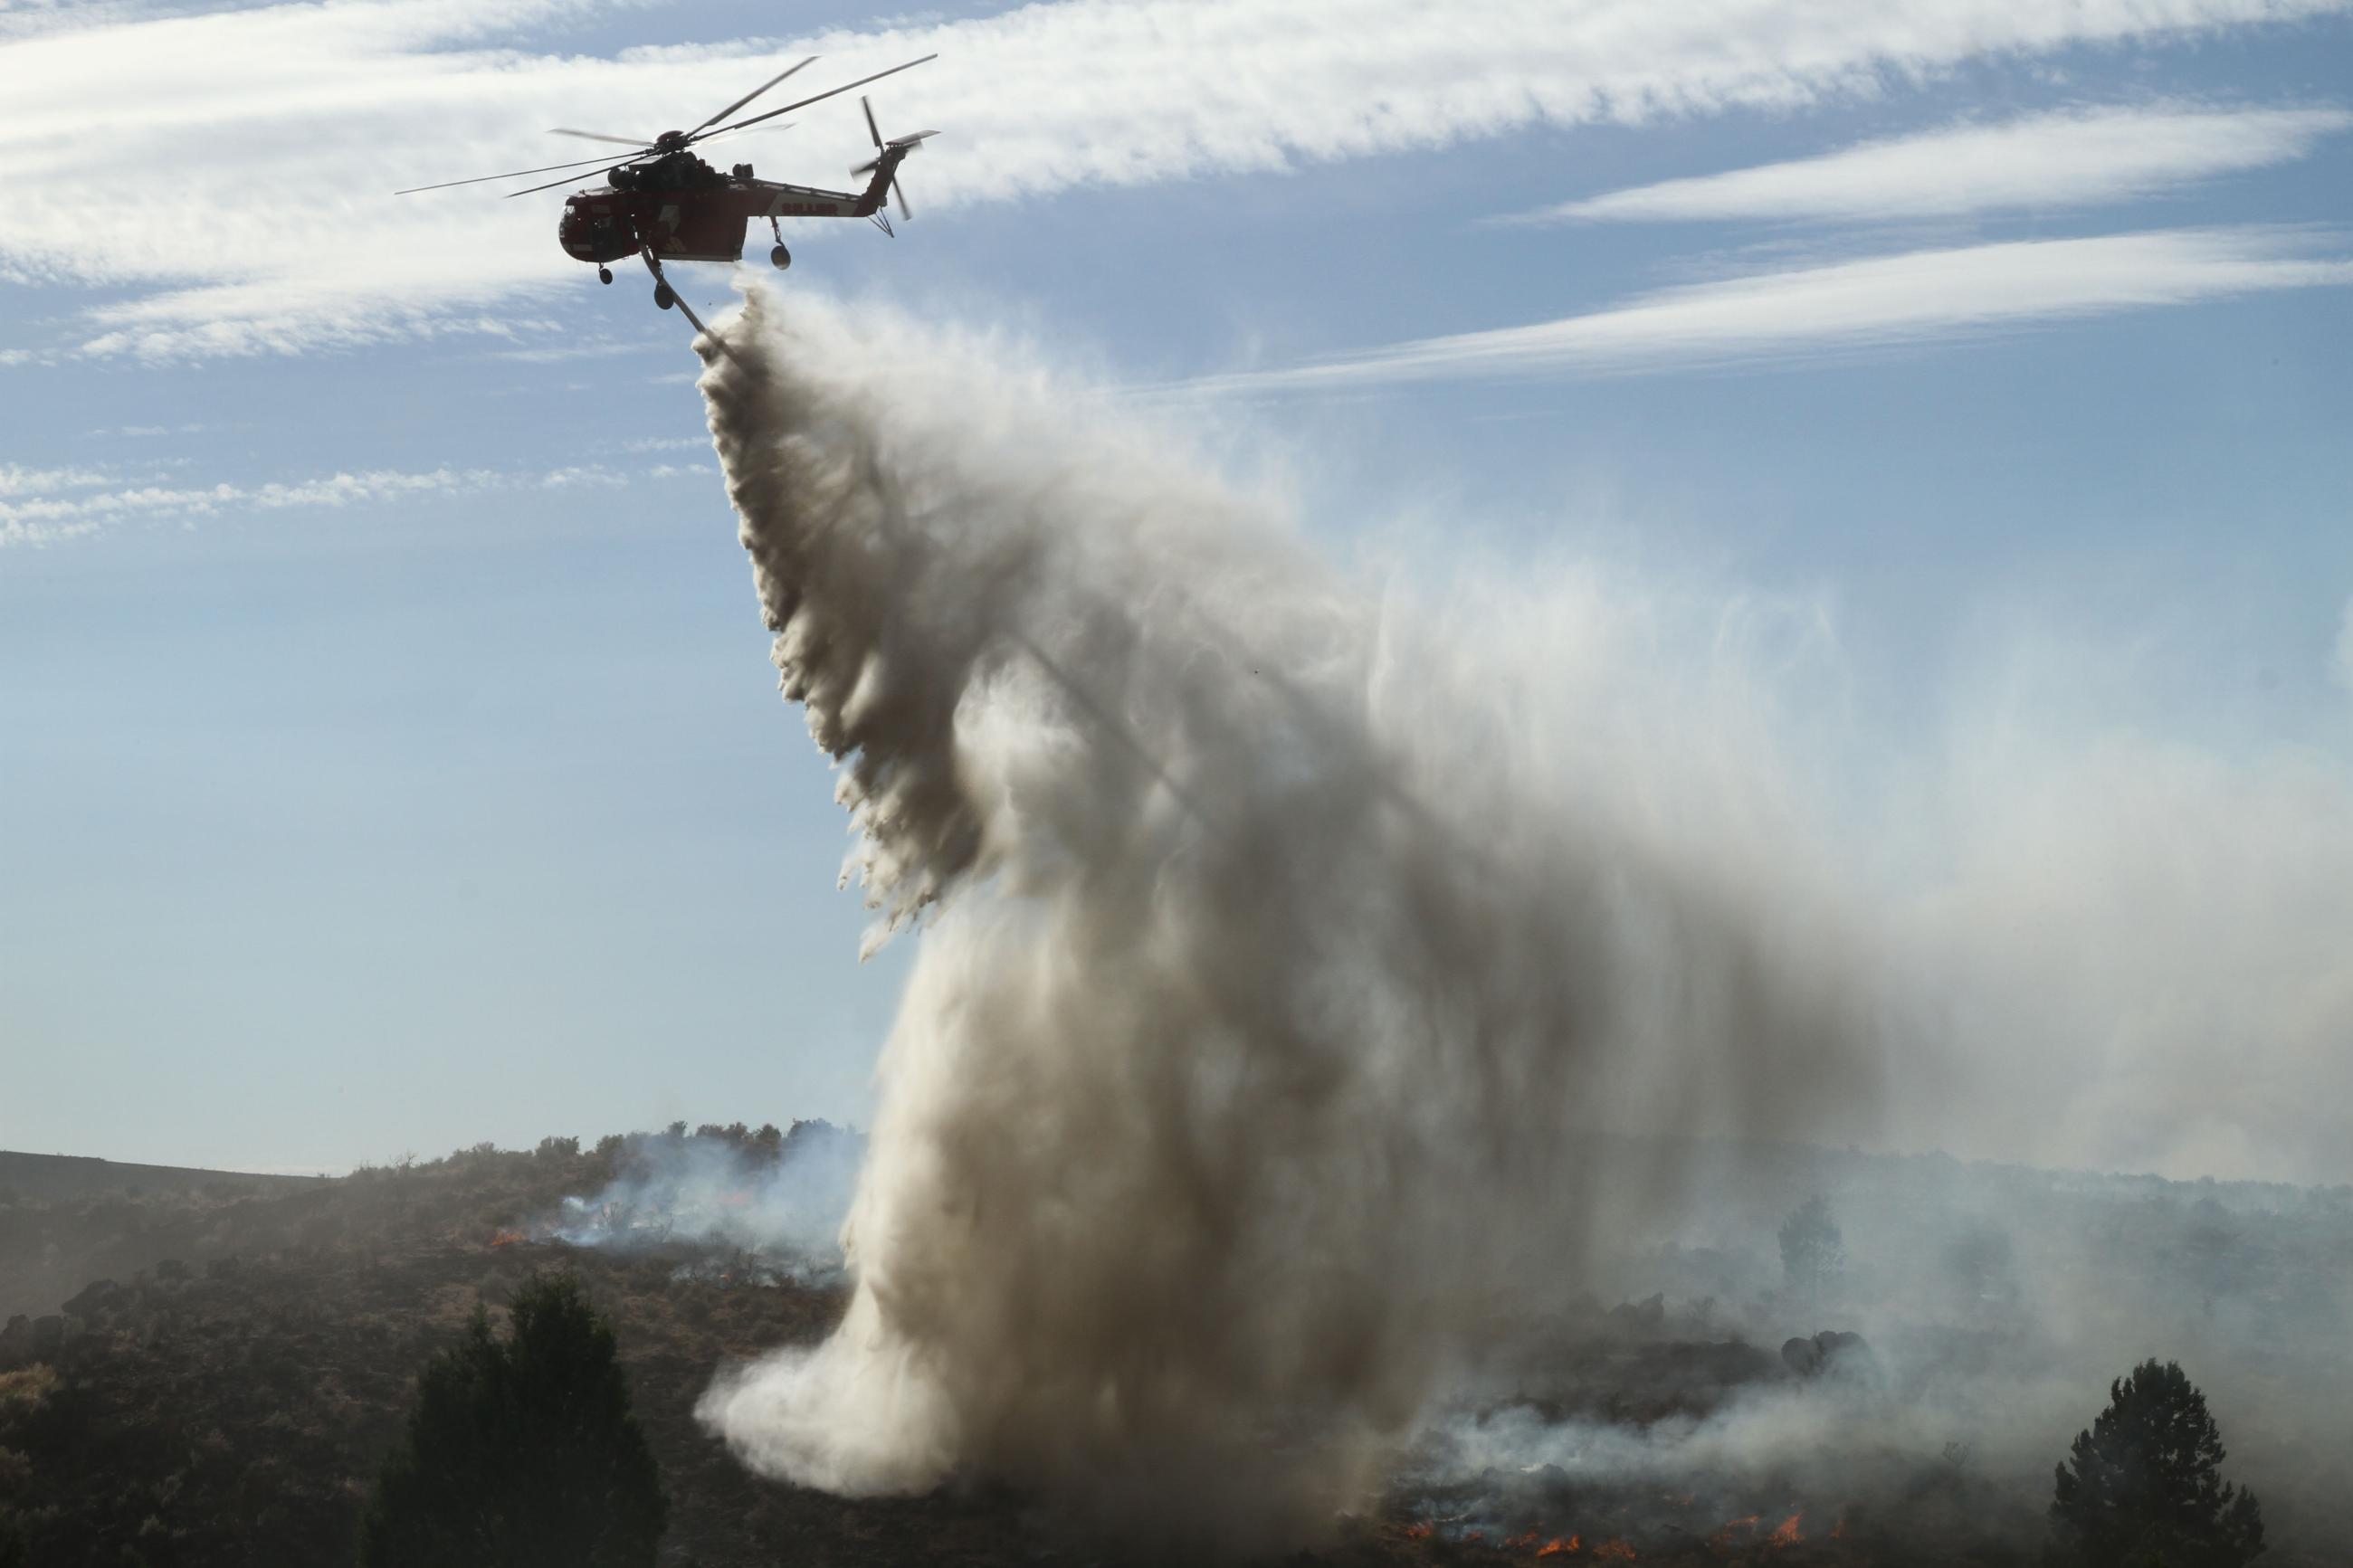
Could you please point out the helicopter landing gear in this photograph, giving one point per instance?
(604, 275)
(780, 258)
(664, 296)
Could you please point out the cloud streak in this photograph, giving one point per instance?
(18, 480)
(46, 506)
(1914, 297)
(279, 152)
(2068, 159)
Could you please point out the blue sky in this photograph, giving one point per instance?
(389, 757)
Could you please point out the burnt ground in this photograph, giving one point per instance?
(235, 1413)
(225, 1393)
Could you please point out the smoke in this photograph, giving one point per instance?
(1291, 961)
(1995, 1304)
(784, 1198)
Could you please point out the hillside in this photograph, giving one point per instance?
(67, 1219)
(229, 1401)
(49, 1178)
(224, 1390)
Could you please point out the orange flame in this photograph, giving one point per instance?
(1723, 1537)
(1417, 1532)
(1557, 1547)
(1787, 1533)
(508, 1239)
(1838, 1530)
(1622, 1551)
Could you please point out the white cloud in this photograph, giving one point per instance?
(43, 514)
(577, 474)
(45, 506)
(259, 147)
(18, 480)
(2071, 158)
(1909, 297)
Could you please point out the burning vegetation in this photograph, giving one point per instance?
(1622, 1529)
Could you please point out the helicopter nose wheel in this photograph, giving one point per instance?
(663, 297)
(604, 275)
(780, 258)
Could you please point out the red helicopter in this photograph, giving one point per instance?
(663, 203)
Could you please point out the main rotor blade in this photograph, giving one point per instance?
(715, 135)
(754, 93)
(600, 136)
(566, 180)
(510, 175)
(871, 128)
(804, 102)
(904, 211)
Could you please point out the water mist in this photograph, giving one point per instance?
(1276, 1000)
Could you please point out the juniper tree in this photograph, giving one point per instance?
(2143, 1488)
(521, 1451)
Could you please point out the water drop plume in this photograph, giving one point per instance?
(1281, 1003)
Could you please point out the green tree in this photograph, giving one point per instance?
(2143, 1488)
(522, 1452)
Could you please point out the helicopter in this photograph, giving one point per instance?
(663, 203)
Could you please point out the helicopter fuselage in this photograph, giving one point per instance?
(687, 211)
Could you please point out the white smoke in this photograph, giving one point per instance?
(784, 1198)
(1288, 963)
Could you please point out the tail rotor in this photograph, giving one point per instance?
(882, 149)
